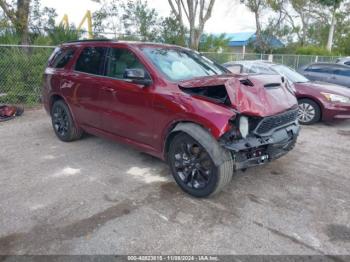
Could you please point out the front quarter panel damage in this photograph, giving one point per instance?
(257, 99)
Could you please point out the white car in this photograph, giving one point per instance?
(343, 61)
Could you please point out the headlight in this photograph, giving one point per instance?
(336, 98)
(244, 126)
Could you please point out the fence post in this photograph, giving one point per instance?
(270, 58)
(297, 65)
(316, 59)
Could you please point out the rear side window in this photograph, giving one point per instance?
(62, 57)
(320, 69)
(236, 69)
(347, 63)
(342, 72)
(91, 60)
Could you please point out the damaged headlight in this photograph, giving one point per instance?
(244, 126)
(336, 98)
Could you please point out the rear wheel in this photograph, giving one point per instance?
(193, 168)
(63, 124)
(309, 112)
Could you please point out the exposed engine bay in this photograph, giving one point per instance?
(216, 93)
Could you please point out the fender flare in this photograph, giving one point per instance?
(61, 97)
(218, 154)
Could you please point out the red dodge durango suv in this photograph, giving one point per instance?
(173, 103)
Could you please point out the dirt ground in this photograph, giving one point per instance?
(98, 197)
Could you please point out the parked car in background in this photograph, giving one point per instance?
(331, 73)
(317, 100)
(343, 61)
(172, 103)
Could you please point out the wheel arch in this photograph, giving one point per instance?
(57, 97)
(200, 134)
(315, 101)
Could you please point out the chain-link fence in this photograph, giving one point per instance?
(294, 61)
(22, 67)
(21, 73)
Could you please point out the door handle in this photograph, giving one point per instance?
(109, 89)
(66, 84)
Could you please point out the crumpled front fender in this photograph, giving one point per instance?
(216, 152)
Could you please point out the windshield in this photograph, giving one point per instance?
(290, 74)
(180, 64)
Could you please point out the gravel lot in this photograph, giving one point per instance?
(98, 197)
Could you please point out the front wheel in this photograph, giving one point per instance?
(309, 112)
(193, 168)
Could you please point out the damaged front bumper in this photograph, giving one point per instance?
(260, 149)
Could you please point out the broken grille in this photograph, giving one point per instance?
(273, 122)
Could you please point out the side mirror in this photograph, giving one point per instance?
(137, 76)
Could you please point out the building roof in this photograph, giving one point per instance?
(240, 37)
(244, 38)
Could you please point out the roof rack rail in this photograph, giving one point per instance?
(91, 40)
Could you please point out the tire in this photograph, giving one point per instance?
(63, 124)
(199, 181)
(309, 112)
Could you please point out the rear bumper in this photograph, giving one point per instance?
(258, 150)
(332, 112)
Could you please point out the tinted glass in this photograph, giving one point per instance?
(256, 68)
(180, 64)
(119, 60)
(259, 69)
(62, 57)
(320, 69)
(91, 60)
(342, 72)
(290, 74)
(347, 63)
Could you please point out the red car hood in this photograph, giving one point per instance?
(324, 87)
(259, 95)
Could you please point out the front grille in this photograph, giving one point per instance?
(273, 122)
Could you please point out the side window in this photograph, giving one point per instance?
(309, 69)
(254, 69)
(347, 63)
(91, 60)
(342, 72)
(236, 69)
(119, 60)
(320, 69)
(62, 57)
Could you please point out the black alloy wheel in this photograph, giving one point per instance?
(192, 166)
(63, 124)
(60, 121)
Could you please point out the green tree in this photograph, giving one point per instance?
(212, 43)
(41, 18)
(173, 32)
(108, 19)
(140, 20)
(257, 6)
(60, 34)
(334, 6)
(194, 12)
(18, 15)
